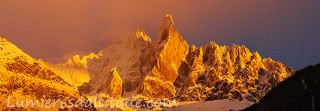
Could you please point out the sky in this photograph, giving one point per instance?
(285, 30)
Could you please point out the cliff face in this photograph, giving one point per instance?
(220, 72)
(131, 56)
(170, 68)
(115, 84)
(233, 71)
(170, 51)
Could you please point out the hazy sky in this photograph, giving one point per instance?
(285, 30)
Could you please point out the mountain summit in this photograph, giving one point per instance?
(171, 68)
(166, 27)
(142, 34)
(168, 68)
(167, 23)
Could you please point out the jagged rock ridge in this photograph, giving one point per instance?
(131, 57)
(170, 68)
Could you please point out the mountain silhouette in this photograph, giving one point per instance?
(300, 92)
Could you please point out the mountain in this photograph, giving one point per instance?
(130, 56)
(74, 71)
(168, 68)
(24, 78)
(300, 92)
(171, 68)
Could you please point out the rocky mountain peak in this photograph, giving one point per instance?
(166, 30)
(170, 68)
(140, 33)
(171, 50)
(115, 84)
(167, 21)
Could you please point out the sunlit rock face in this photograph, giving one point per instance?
(167, 68)
(171, 50)
(115, 84)
(131, 56)
(75, 70)
(170, 68)
(233, 71)
(111, 85)
(155, 88)
(23, 78)
(205, 70)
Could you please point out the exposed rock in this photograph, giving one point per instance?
(156, 88)
(236, 67)
(114, 87)
(142, 34)
(221, 90)
(169, 68)
(171, 51)
(197, 69)
(177, 69)
(192, 93)
(23, 78)
(131, 56)
(113, 82)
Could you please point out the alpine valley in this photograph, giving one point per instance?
(168, 68)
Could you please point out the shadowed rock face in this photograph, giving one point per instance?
(131, 56)
(300, 92)
(113, 85)
(171, 68)
(171, 50)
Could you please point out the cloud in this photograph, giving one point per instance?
(56, 29)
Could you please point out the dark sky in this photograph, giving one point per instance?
(285, 30)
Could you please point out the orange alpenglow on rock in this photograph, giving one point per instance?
(171, 49)
(22, 78)
(170, 68)
(115, 84)
(167, 68)
(156, 88)
(142, 34)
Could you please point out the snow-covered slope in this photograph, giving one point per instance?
(130, 56)
(217, 105)
(24, 78)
